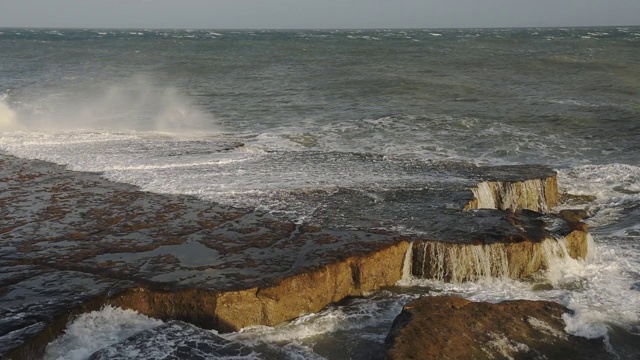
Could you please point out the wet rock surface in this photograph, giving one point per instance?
(36, 306)
(447, 327)
(73, 241)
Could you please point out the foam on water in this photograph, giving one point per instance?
(337, 328)
(356, 329)
(164, 163)
(314, 336)
(93, 331)
(600, 290)
(615, 186)
(258, 174)
(604, 294)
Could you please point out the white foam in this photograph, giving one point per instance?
(304, 327)
(504, 346)
(93, 331)
(615, 186)
(358, 314)
(486, 289)
(573, 102)
(588, 324)
(606, 295)
(600, 290)
(545, 328)
(562, 268)
(140, 158)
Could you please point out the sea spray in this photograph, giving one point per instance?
(8, 117)
(95, 330)
(136, 104)
(597, 289)
(560, 266)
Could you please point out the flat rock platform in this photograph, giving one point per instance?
(71, 242)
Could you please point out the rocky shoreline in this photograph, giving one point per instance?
(448, 327)
(72, 242)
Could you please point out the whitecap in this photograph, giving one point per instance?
(95, 330)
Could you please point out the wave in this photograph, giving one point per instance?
(95, 330)
(130, 105)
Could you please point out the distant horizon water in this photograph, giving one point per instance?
(320, 28)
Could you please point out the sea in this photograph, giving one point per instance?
(305, 111)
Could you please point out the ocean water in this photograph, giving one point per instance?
(263, 119)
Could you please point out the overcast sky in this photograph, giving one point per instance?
(281, 14)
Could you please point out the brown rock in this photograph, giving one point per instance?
(533, 194)
(450, 327)
(576, 200)
(573, 215)
(300, 294)
(176, 257)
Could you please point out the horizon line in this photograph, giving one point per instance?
(313, 29)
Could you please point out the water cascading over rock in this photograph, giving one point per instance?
(539, 195)
(518, 254)
(458, 263)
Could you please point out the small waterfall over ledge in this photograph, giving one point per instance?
(407, 263)
(539, 195)
(459, 262)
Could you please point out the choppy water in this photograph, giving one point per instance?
(320, 111)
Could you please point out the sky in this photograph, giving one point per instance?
(316, 14)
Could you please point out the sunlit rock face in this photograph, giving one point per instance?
(277, 300)
(515, 245)
(458, 263)
(447, 327)
(536, 194)
(521, 239)
(181, 258)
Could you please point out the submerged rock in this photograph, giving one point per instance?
(175, 340)
(448, 327)
(180, 258)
